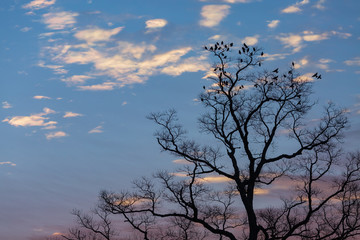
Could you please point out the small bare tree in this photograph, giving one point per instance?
(249, 115)
(94, 226)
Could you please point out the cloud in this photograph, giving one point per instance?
(76, 79)
(124, 62)
(124, 103)
(59, 20)
(319, 5)
(25, 29)
(97, 34)
(305, 78)
(8, 163)
(310, 36)
(230, 1)
(292, 41)
(354, 62)
(213, 14)
(98, 87)
(156, 23)
(296, 41)
(215, 37)
(57, 134)
(97, 129)
(38, 119)
(275, 56)
(295, 8)
(58, 69)
(39, 4)
(188, 65)
(273, 23)
(39, 97)
(6, 105)
(251, 40)
(181, 161)
(71, 114)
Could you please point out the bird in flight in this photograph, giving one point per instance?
(276, 70)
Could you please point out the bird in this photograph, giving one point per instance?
(245, 45)
(262, 53)
(259, 64)
(319, 77)
(275, 78)
(315, 75)
(206, 48)
(211, 48)
(203, 87)
(224, 57)
(293, 64)
(243, 49)
(290, 72)
(222, 42)
(202, 99)
(231, 44)
(239, 52)
(256, 85)
(276, 70)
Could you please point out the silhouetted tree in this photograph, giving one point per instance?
(249, 113)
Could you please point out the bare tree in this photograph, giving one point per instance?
(249, 115)
(94, 226)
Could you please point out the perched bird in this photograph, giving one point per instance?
(276, 70)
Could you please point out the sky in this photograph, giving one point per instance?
(78, 79)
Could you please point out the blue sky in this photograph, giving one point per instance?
(79, 77)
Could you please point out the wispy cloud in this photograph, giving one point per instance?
(8, 163)
(72, 114)
(156, 23)
(59, 20)
(106, 86)
(25, 29)
(76, 79)
(39, 97)
(251, 40)
(295, 8)
(353, 62)
(296, 41)
(37, 119)
(215, 37)
(58, 69)
(58, 134)
(39, 4)
(6, 105)
(97, 34)
(273, 23)
(320, 5)
(126, 63)
(98, 129)
(213, 14)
